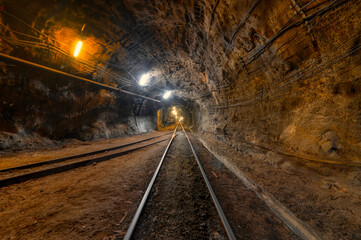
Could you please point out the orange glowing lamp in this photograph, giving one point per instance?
(78, 48)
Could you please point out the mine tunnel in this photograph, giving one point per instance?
(187, 119)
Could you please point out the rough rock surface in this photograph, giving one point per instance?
(274, 73)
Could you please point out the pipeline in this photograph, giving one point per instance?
(15, 59)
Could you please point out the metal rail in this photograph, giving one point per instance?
(135, 219)
(223, 217)
(38, 164)
(58, 169)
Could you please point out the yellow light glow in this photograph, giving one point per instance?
(77, 48)
(174, 112)
(181, 119)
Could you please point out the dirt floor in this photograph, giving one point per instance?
(326, 197)
(99, 201)
(93, 202)
(180, 206)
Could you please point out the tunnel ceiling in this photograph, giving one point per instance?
(129, 38)
(191, 47)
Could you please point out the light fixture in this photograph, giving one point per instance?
(144, 79)
(167, 94)
(77, 48)
(174, 112)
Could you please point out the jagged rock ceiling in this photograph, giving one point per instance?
(188, 46)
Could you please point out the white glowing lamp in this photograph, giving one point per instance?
(167, 94)
(144, 80)
(78, 48)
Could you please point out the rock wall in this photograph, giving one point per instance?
(146, 123)
(37, 107)
(302, 96)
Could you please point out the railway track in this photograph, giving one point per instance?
(27, 172)
(136, 219)
(41, 169)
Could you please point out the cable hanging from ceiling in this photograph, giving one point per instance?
(44, 43)
(51, 45)
(260, 49)
(242, 22)
(303, 76)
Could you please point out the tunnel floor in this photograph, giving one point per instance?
(98, 201)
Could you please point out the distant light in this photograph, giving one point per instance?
(167, 94)
(181, 119)
(174, 112)
(144, 80)
(77, 48)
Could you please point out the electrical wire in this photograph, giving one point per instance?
(85, 63)
(22, 61)
(240, 24)
(302, 76)
(50, 44)
(259, 50)
(243, 63)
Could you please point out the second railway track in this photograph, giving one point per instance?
(27, 172)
